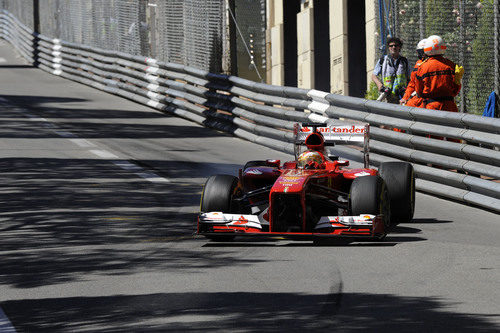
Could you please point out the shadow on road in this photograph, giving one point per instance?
(241, 311)
(17, 66)
(75, 117)
(62, 219)
(396, 236)
(430, 221)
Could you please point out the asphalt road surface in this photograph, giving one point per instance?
(99, 198)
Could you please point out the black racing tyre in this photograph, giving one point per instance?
(400, 180)
(368, 195)
(255, 163)
(217, 197)
(217, 193)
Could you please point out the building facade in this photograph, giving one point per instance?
(328, 45)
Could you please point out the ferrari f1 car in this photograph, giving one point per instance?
(315, 195)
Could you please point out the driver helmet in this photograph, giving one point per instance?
(309, 156)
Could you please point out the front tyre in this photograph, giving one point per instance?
(217, 196)
(400, 180)
(369, 195)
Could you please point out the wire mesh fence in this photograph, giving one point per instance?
(192, 32)
(186, 32)
(467, 27)
(249, 17)
(22, 9)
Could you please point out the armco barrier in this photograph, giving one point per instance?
(467, 171)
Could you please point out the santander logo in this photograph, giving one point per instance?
(344, 129)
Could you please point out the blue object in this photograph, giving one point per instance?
(489, 109)
(384, 23)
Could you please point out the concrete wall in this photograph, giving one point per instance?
(275, 43)
(371, 38)
(339, 61)
(305, 45)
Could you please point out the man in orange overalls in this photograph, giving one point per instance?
(436, 77)
(410, 97)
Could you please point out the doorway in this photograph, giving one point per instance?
(356, 33)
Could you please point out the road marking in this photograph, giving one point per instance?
(103, 153)
(139, 171)
(82, 142)
(152, 177)
(3, 60)
(5, 324)
(123, 164)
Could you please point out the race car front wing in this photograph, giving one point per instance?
(369, 226)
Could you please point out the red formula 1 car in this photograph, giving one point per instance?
(314, 195)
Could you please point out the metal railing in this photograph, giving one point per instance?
(467, 170)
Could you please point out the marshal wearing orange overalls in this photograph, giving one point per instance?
(410, 97)
(436, 78)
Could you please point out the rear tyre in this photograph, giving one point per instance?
(217, 196)
(400, 180)
(368, 195)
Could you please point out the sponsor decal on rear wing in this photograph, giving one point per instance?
(340, 133)
(335, 133)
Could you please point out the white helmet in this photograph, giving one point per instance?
(434, 45)
(420, 49)
(421, 44)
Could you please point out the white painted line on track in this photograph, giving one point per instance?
(5, 324)
(123, 164)
(152, 177)
(103, 153)
(139, 171)
(82, 142)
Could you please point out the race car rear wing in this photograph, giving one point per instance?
(336, 133)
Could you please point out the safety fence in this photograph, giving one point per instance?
(469, 27)
(186, 32)
(467, 170)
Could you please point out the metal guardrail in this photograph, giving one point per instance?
(467, 170)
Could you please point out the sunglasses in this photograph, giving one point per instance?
(394, 45)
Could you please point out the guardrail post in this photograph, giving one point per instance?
(36, 31)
